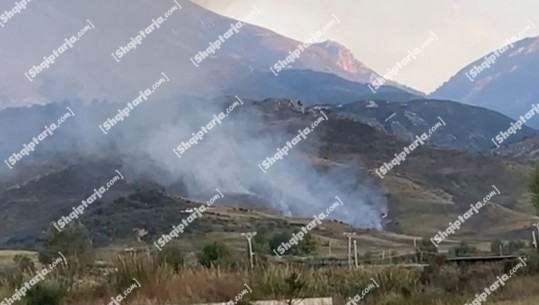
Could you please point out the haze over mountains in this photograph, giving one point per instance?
(468, 127)
(509, 85)
(338, 161)
(89, 71)
(434, 182)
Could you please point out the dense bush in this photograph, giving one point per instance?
(72, 242)
(171, 255)
(214, 254)
(46, 293)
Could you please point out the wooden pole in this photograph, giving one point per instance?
(355, 253)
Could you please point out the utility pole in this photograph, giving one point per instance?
(415, 251)
(349, 235)
(355, 253)
(535, 238)
(249, 236)
(330, 248)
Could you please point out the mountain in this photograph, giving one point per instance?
(508, 86)
(524, 151)
(354, 69)
(112, 63)
(89, 69)
(306, 85)
(467, 127)
(431, 188)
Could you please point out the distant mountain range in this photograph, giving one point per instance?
(505, 82)
(240, 66)
(339, 157)
(88, 70)
(467, 127)
(363, 129)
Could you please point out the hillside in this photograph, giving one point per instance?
(467, 128)
(505, 82)
(430, 188)
(89, 71)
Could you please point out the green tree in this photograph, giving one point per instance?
(171, 255)
(308, 245)
(304, 247)
(73, 241)
(261, 242)
(278, 239)
(213, 254)
(426, 252)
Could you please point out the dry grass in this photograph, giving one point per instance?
(6, 256)
(398, 286)
(162, 284)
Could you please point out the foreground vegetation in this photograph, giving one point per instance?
(217, 274)
(164, 283)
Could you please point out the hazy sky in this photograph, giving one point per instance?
(381, 32)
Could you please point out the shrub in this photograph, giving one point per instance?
(72, 242)
(214, 254)
(304, 247)
(46, 293)
(171, 255)
(464, 250)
